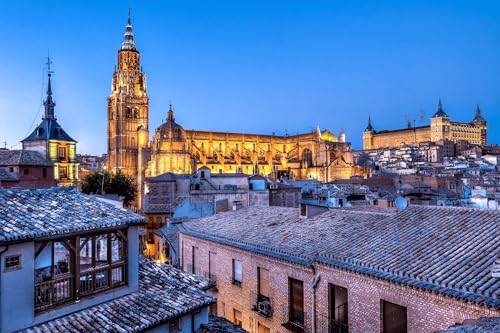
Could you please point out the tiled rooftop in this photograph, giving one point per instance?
(483, 325)
(220, 325)
(37, 213)
(22, 157)
(164, 293)
(444, 250)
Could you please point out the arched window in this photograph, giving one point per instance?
(306, 159)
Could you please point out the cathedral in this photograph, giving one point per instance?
(317, 155)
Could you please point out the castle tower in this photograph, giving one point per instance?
(440, 125)
(480, 122)
(368, 135)
(128, 108)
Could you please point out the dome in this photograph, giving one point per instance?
(170, 130)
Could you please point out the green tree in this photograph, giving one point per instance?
(118, 183)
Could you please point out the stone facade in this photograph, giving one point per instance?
(316, 155)
(441, 128)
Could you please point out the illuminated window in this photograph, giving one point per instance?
(62, 153)
(63, 172)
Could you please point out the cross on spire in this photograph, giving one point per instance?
(49, 102)
(128, 38)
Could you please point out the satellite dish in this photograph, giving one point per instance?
(401, 202)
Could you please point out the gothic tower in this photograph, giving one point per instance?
(128, 108)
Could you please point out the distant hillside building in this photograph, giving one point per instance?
(441, 128)
(50, 139)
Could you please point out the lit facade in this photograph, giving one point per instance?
(441, 128)
(316, 155)
(50, 139)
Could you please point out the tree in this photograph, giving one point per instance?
(118, 183)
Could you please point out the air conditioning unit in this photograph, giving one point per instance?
(264, 307)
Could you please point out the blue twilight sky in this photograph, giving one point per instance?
(254, 66)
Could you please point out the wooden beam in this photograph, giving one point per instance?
(40, 249)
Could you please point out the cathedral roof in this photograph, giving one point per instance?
(128, 38)
(440, 112)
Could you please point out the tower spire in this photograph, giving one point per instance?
(49, 102)
(440, 112)
(369, 127)
(128, 38)
(170, 113)
(478, 116)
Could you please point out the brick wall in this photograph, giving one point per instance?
(426, 312)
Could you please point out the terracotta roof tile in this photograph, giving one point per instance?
(446, 250)
(38, 213)
(164, 293)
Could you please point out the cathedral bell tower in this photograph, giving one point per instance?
(128, 108)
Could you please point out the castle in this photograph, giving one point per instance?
(441, 128)
(315, 155)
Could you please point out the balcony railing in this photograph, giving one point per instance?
(211, 276)
(101, 278)
(194, 270)
(327, 325)
(54, 292)
(261, 304)
(294, 317)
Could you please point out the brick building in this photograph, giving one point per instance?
(367, 269)
(26, 169)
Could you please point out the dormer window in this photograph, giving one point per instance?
(39, 131)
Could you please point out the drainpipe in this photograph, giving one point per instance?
(1, 312)
(314, 285)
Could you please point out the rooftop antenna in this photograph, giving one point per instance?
(5, 145)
